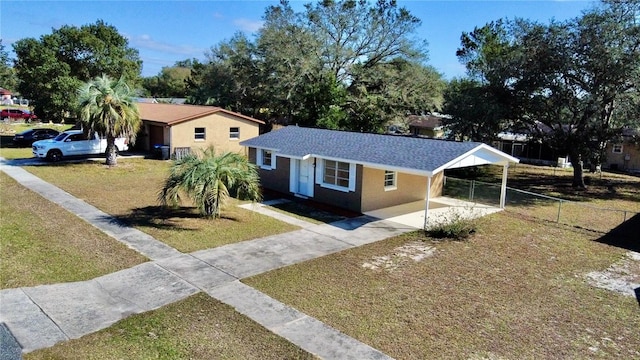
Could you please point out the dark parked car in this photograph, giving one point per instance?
(27, 137)
(16, 114)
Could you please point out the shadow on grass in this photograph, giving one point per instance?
(164, 218)
(560, 186)
(624, 235)
(303, 209)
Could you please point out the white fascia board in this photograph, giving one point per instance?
(399, 169)
(289, 156)
(273, 150)
(380, 166)
(468, 159)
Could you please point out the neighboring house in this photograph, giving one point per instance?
(5, 97)
(529, 148)
(359, 171)
(152, 100)
(429, 126)
(185, 127)
(624, 155)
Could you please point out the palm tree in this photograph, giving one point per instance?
(107, 108)
(208, 179)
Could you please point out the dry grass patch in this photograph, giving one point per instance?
(42, 243)
(129, 192)
(198, 327)
(517, 289)
(608, 201)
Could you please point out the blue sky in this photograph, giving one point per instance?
(167, 31)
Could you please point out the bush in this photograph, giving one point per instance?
(460, 229)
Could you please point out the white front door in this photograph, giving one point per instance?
(304, 177)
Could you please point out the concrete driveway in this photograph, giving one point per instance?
(441, 210)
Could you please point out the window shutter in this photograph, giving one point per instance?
(259, 157)
(319, 171)
(352, 177)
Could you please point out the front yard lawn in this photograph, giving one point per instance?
(516, 290)
(129, 192)
(198, 327)
(43, 244)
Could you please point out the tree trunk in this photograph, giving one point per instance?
(111, 154)
(578, 178)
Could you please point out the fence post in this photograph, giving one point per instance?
(559, 207)
(625, 216)
(473, 189)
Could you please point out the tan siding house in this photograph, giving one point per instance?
(624, 156)
(186, 127)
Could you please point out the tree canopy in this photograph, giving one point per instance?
(53, 67)
(8, 77)
(346, 64)
(580, 78)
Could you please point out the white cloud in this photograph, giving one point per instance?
(145, 41)
(248, 25)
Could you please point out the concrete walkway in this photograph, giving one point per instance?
(40, 316)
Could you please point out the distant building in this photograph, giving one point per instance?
(5, 97)
(625, 154)
(429, 125)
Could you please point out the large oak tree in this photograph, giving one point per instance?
(53, 67)
(580, 77)
(347, 64)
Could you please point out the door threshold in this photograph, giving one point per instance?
(301, 196)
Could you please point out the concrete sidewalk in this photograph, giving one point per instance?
(41, 316)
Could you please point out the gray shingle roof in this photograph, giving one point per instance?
(384, 150)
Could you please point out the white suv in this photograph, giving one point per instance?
(74, 143)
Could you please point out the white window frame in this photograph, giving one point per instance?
(320, 172)
(234, 135)
(390, 180)
(260, 159)
(617, 148)
(196, 133)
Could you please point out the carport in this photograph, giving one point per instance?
(437, 210)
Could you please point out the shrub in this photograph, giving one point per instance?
(458, 230)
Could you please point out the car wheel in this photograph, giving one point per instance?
(54, 155)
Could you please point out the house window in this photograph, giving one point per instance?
(199, 133)
(390, 180)
(617, 148)
(266, 159)
(234, 133)
(336, 173)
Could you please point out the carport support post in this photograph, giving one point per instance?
(503, 188)
(426, 206)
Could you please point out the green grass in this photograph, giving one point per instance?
(515, 290)
(198, 327)
(15, 153)
(129, 192)
(43, 244)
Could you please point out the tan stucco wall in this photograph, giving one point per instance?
(217, 132)
(632, 150)
(437, 184)
(409, 188)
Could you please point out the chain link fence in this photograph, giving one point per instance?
(539, 206)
